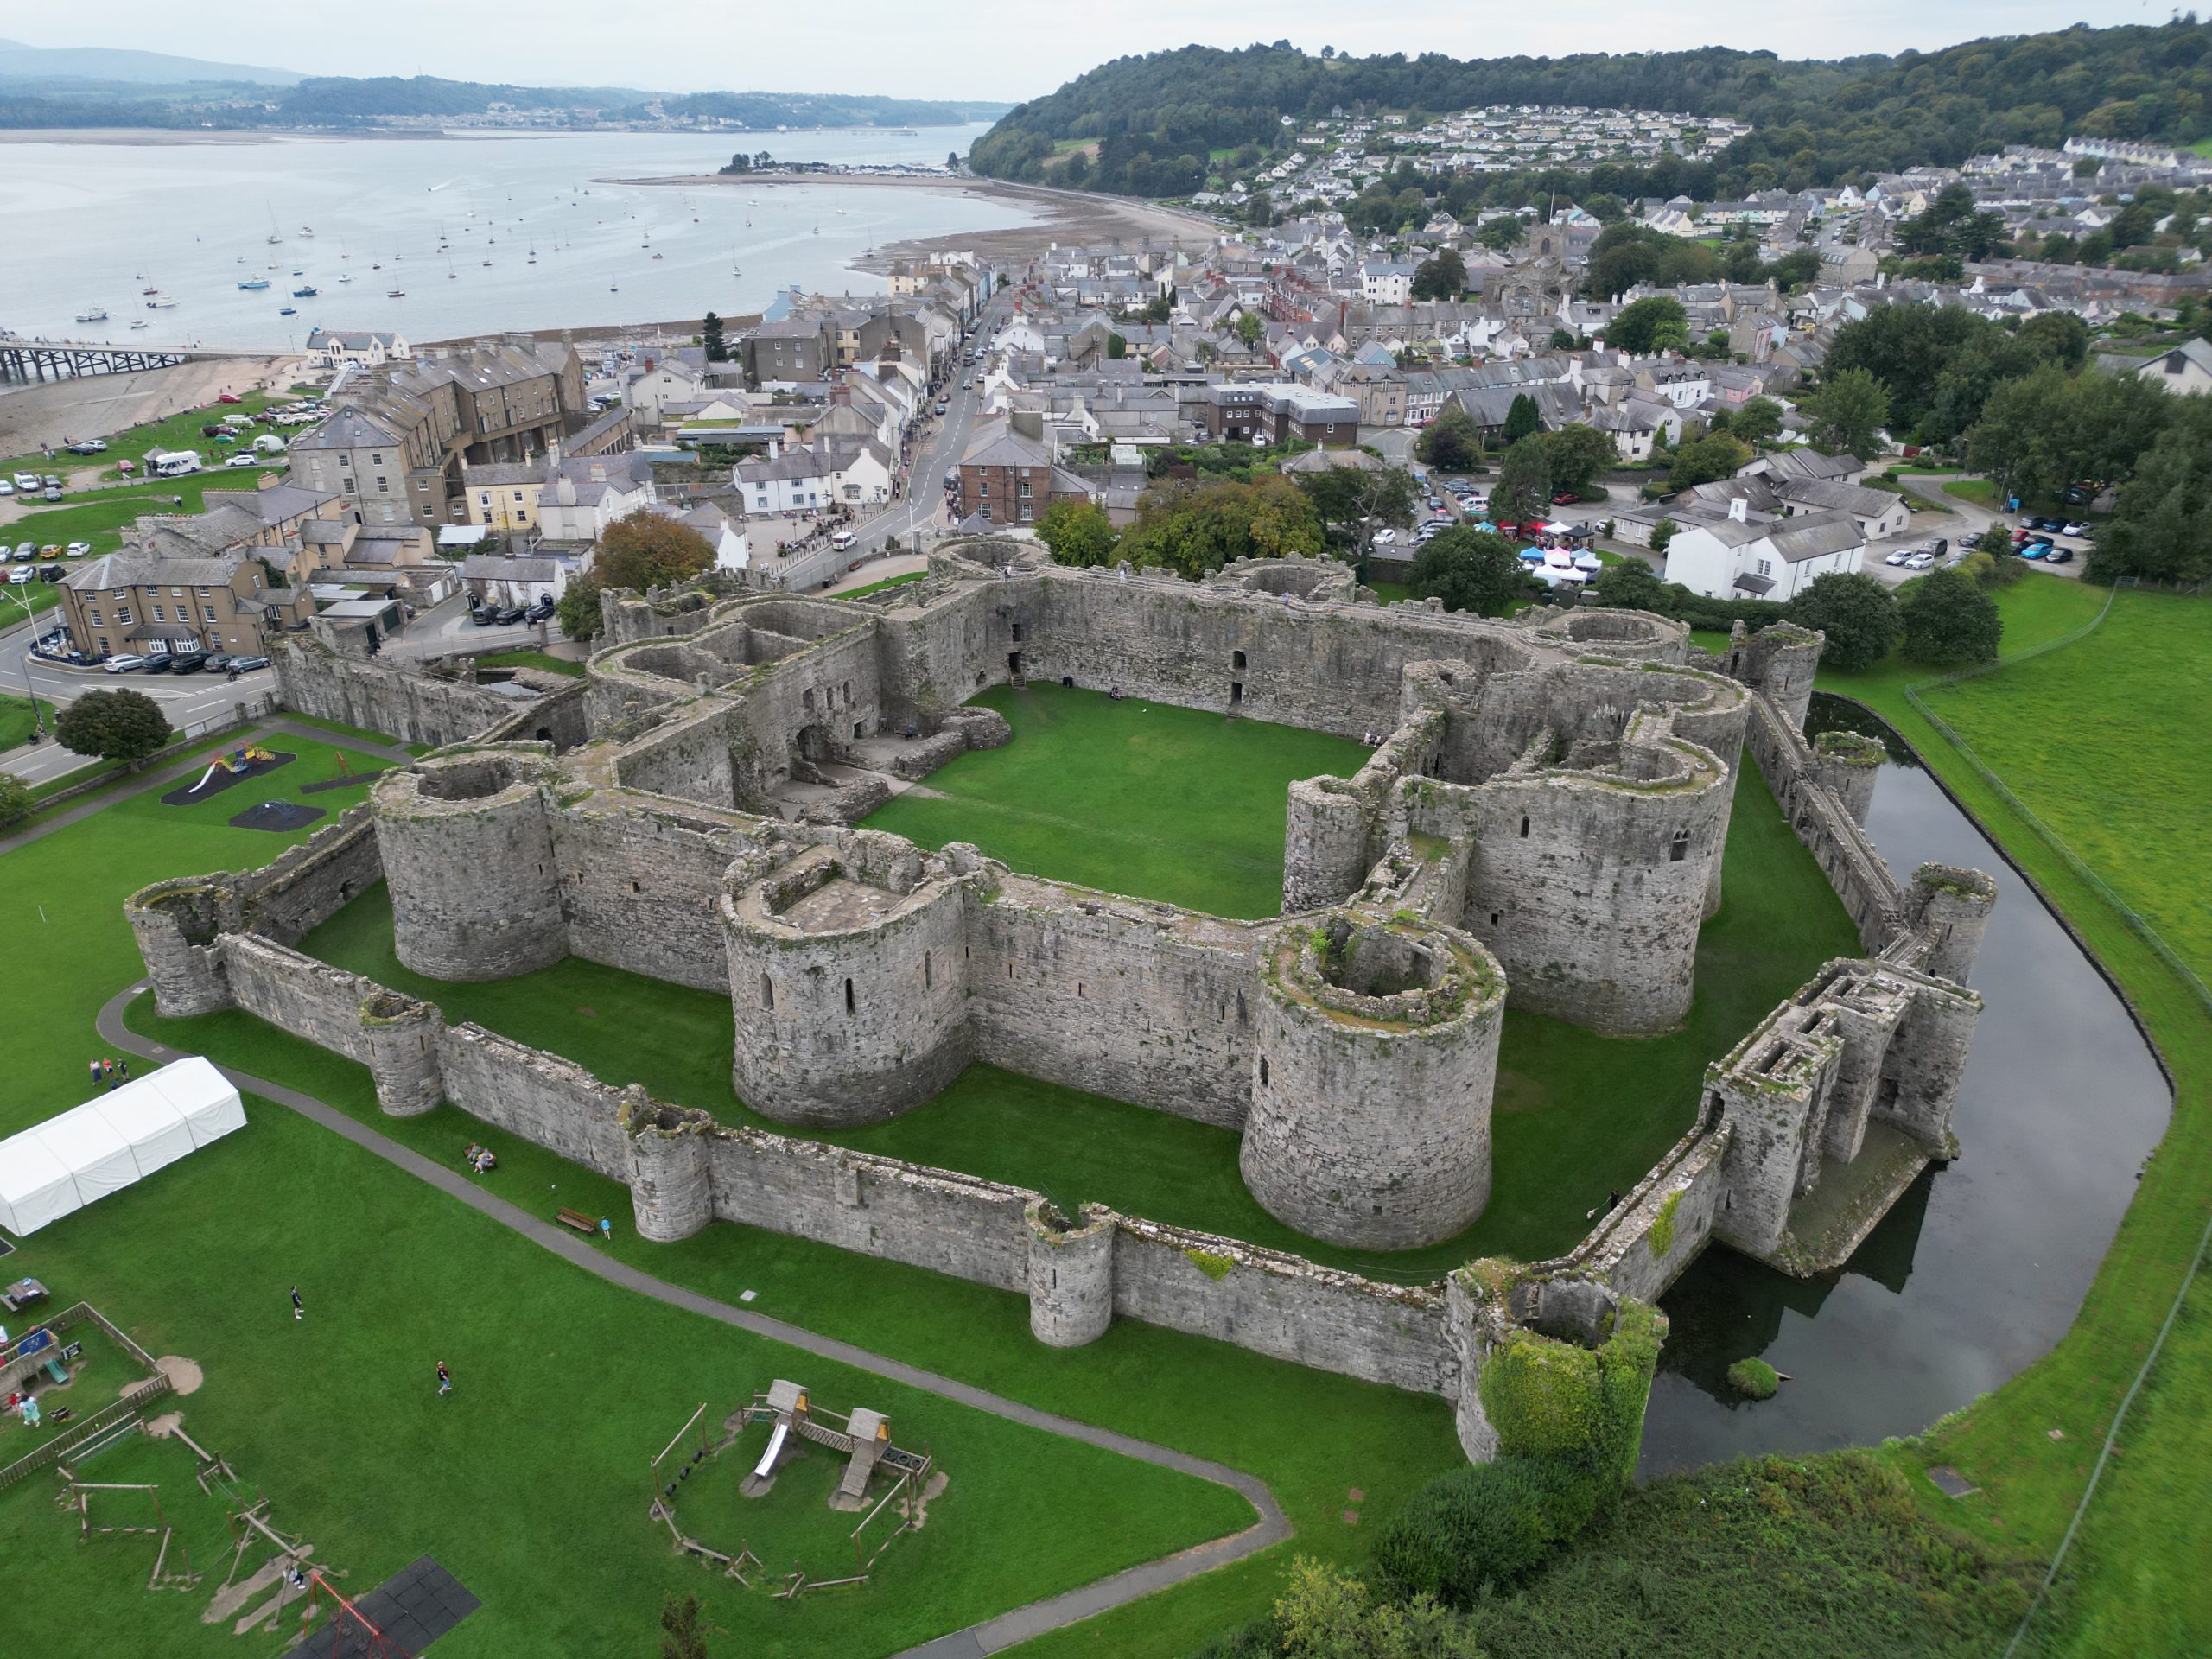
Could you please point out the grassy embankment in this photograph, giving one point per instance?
(2103, 741)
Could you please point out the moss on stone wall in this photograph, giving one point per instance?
(1551, 1398)
(1662, 1230)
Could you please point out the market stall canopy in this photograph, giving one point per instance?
(113, 1141)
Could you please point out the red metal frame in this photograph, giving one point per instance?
(379, 1645)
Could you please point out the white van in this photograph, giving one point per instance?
(174, 463)
(843, 539)
(269, 444)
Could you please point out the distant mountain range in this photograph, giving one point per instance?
(106, 65)
(101, 87)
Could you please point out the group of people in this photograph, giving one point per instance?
(107, 1073)
(481, 1160)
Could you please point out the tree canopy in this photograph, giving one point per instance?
(2163, 529)
(1639, 327)
(1442, 276)
(1523, 491)
(650, 550)
(1847, 414)
(1857, 614)
(113, 725)
(1452, 442)
(1948, 622)
(1194, 528)
(1470, 570)
(1077, 532)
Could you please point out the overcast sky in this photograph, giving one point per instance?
(992, 48)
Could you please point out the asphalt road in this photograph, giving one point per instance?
(944, 440)
(183, 702)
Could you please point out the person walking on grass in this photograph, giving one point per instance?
(299, 1310)
(445, 1380)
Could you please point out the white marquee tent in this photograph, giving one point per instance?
(112, 1141)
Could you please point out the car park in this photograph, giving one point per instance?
(123, 664)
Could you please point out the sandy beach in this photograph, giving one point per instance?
(1076, 217)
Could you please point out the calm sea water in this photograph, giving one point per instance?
(93, 225)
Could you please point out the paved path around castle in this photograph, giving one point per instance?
(991, 1636)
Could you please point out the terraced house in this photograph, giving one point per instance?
(400, 434)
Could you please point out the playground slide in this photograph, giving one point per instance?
(204, 777)
(767, 1464)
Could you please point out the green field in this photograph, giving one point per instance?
(877, 587)
(528, 1482)
(1130, 796)
(1577, 1115)
(2130, 805)
(18, 715)
(61, 904)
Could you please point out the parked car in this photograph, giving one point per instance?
(2059, 555)
(51, 572)
(28, 482)
(510, 614)
(51, 492)
(2074, 527)
(2042, 524)
(537, 613)
(483, 616)
(209, 429)
(230, 398)
(26, 549)
(7, 487)
(123, 664)
(1436, 503)
(89, 447)
(222, 435)
(244, 460)
(78, 550)
(126, 467)
(51, 550)
(248, 664)
(1563, 497)
(187, 662)
(1385, 536)
(160, 663)
(1920, 561)
(217, 661)
(1897, 556)
(2036, 551)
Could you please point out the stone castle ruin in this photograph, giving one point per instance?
(1542, 826)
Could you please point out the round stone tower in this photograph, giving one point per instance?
(468, 847)
(1779, 660)
(1070, 1275)
(1950, 909)
(671, 1185)
(1371, 1081)
(848, 982)
(1847, 764)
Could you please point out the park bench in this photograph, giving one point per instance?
(580, 1222)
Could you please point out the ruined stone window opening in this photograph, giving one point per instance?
(1236, 660)
(1496, 916)
(929, 972)
(806, 700)
(1263, 1072)
(859, 729)
(1524, 826)
(1014, 662)
(1017, 633)
(767, 992)
(1679, 848)
(1235, 692)
(848, 693)
(850, 1006)
(634, 887)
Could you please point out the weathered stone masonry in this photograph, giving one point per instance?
(1544, 821)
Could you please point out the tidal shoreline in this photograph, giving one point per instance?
(1079, 217)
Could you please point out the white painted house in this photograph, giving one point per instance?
(1736, 559)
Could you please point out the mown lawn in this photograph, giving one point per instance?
(1131, 797)
(2136, 1581)
(18, 716)
(877, 587)
(61, 907)
(528, 1482)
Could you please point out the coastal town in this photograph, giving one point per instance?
(1329, 857)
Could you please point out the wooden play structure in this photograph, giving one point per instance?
(863, 1438)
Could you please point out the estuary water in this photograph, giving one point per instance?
(1982, 1265)
(90, 225)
